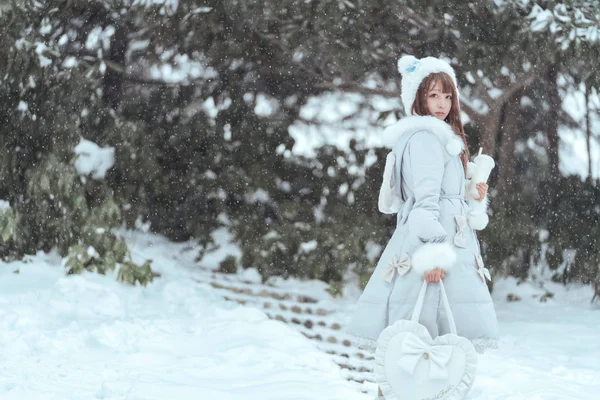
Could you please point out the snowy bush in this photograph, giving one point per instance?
(44, 103)
(549, 230)
(228, 265)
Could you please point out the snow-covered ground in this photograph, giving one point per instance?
(89, 337)
(547, 350)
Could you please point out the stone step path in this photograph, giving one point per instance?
(320, 323)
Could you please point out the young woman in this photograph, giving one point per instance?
(424, 183)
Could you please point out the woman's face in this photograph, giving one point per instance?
(438, 102)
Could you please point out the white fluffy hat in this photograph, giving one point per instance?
(414, 71)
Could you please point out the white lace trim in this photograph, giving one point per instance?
(363, 343)
(483, 344)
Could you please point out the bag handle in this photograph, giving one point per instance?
(421, 300)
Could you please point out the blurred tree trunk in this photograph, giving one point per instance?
(489, 128)
(588, 129)
(489, 124)
(113, 79)
(510, 130)
(553, 115)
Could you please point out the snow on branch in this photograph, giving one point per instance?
(570, 25)
(167, 7)
(93, 160)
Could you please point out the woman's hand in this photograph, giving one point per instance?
(482, 188)
(435, 275)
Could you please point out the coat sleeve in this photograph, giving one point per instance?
(426, 163)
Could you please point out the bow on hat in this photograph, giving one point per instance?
(414, 66)
(414, 349)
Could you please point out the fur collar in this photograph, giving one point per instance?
(414, 123)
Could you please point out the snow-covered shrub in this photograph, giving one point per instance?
(548, 230)
(228, 265)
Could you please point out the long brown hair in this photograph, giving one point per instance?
(453, 119)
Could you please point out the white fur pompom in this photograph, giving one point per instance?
(433, 255)
(405, 63)
(454, 147)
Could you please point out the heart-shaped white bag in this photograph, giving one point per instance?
(410, 365)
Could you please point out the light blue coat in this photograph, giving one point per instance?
(424, 184)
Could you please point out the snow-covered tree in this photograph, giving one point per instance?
(56, 189)
(198, 100)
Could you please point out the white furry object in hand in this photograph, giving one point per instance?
(433, 255)
(470, 169)
(478, 218)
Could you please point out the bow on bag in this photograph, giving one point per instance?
(460, 238)
(400, 265)
(415, 349)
